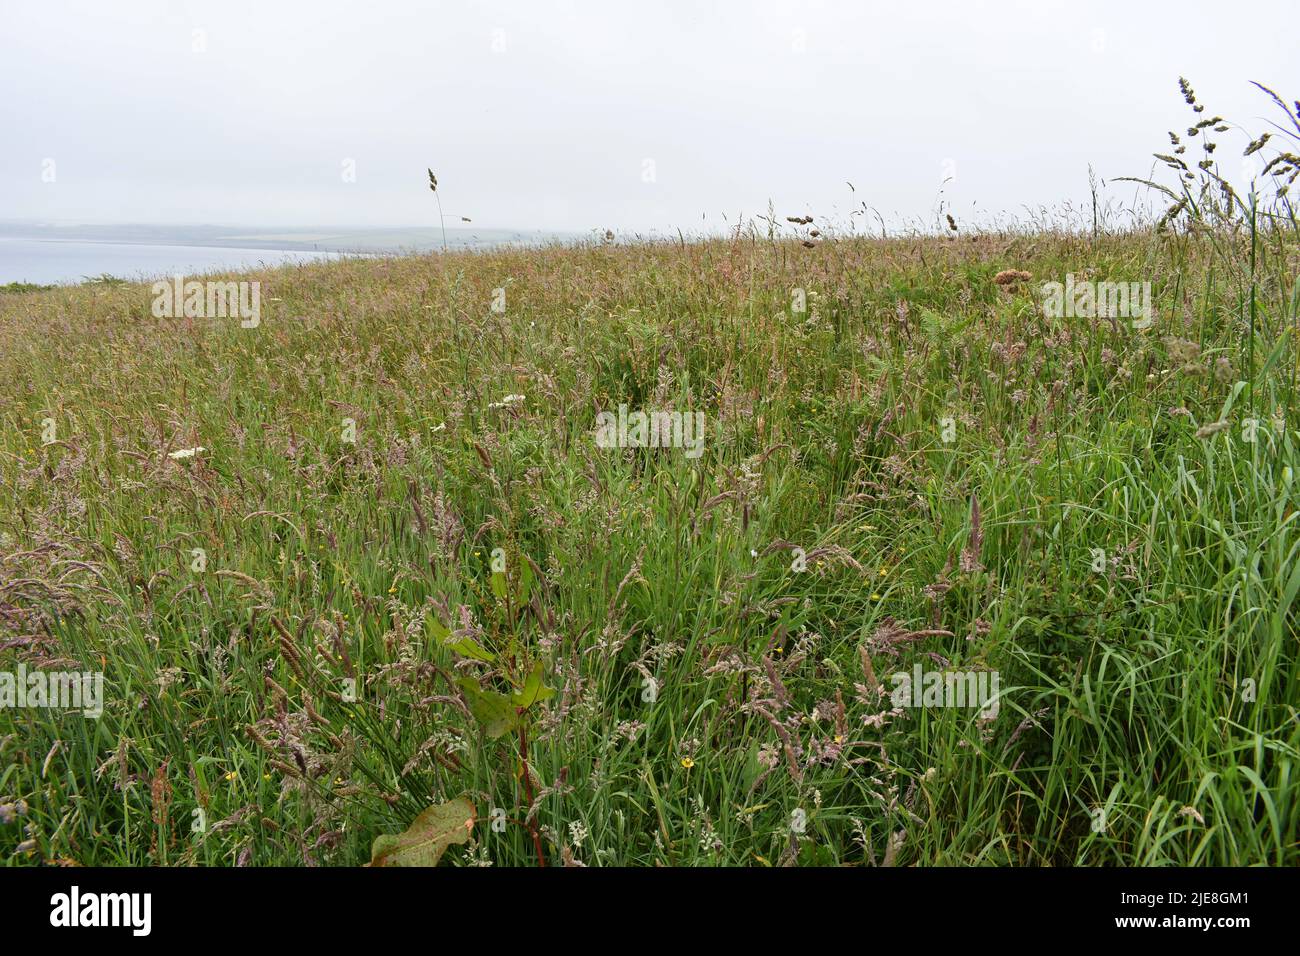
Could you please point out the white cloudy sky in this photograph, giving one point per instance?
(544, 114)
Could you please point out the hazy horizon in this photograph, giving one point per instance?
(35, 252)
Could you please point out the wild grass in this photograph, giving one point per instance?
(15, 287)
(1099, 530)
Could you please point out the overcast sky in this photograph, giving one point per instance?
(628, 115)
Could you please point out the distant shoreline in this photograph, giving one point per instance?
(43, 254)
(404, 239)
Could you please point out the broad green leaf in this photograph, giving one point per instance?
(499, 584)
(464, 646)
(468, 647)
(428, 836)
(494, 711)
(534, 691)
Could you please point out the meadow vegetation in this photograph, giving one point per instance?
(392, 567)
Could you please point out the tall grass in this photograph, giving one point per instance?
(1099, 531)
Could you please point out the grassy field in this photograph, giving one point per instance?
(402, 571)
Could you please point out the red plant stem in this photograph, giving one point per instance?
(528, 790)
